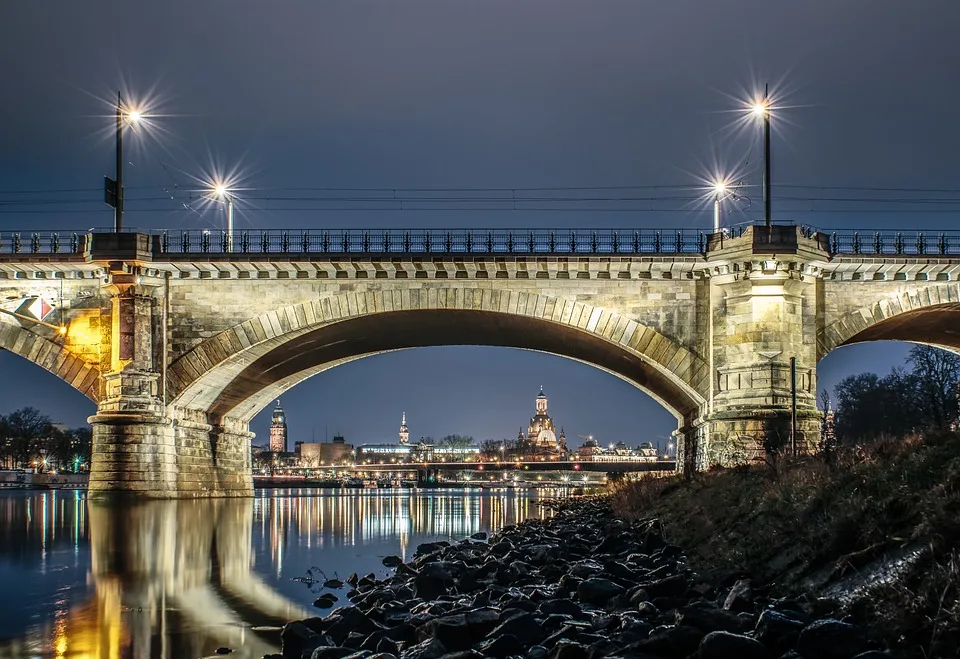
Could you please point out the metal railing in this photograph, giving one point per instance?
(485, 242)
(892, 243)
(43, 242)
(437, 241)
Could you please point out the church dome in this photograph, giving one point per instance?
(546, 437)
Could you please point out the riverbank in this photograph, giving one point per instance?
(580, 585)
(874, 532)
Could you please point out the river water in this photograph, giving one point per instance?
(179, 579)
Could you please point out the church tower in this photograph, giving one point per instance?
(404, 433)
(278, 430)
(542, 402)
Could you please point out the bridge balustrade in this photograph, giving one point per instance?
(42, 242)
(438, 241)
(892, 243)
(482, 242)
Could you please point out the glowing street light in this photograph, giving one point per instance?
(114, 188)
(222, 192)
(761, 110)
(721, 190)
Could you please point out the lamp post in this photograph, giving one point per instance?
(221, 191)
(114, 188)
(761, 110)
(720, 192)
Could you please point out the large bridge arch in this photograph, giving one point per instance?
(53, 357)
(929, 315)
(236, 372)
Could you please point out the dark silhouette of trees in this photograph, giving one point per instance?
(870, 406)
(27, 437)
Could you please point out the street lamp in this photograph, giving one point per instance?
(114, 188)
(761, 110)
(222, 192)
(719, 192)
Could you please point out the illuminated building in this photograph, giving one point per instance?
(541, 435)
(317, 454)
(404, 432)
(278, 430)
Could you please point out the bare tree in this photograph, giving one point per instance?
(937, 374)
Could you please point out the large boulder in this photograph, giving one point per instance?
(599, 591)
(831, 639)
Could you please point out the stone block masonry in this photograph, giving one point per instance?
(179, 352)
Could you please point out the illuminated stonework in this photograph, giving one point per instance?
(180, 350)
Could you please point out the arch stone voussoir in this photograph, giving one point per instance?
(868, 322)
(53, 357)
(200, 375)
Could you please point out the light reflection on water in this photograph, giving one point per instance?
(178, 579)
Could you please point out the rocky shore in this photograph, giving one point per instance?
(580, 585)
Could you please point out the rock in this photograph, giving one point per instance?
(597, 590)
(431, 649)
(537, 652)
(831, 639)
(740, 597)
(452, 631)
(480, 535)
(585, 569)
(723, 645)
(708, 619)
(333, 583)
(325, 601)
(482, 621)
(430, 547)
(777, 630)
(873, 654)
(675, 642)
(501, 646)
(224, 650)
(296, 637)
(391, 561)
(522, 627)
(564, 606)
(672, 586)
(569, 650)
(433, 581)
(331, 653)
(501, 548)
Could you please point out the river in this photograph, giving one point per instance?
(179, 579)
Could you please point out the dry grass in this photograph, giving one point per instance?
(808, 524)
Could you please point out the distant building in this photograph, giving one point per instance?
(278, 430)
(591, 451)
(325, 454)
(404, 432)
(541, 437)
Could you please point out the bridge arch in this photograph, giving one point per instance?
(59, 360)
(237, 372)
(929, 315)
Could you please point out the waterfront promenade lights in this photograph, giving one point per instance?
(223, 193)
(761, 111)
(114, 188)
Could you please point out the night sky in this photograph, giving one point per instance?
(309, 103)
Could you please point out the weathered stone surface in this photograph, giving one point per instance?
(723, 645)
(831, 639)
(711, 335)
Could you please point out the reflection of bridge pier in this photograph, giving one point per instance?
(167, 570)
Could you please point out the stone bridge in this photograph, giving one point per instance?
(181, 339)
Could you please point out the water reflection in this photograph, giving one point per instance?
(178, 579)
